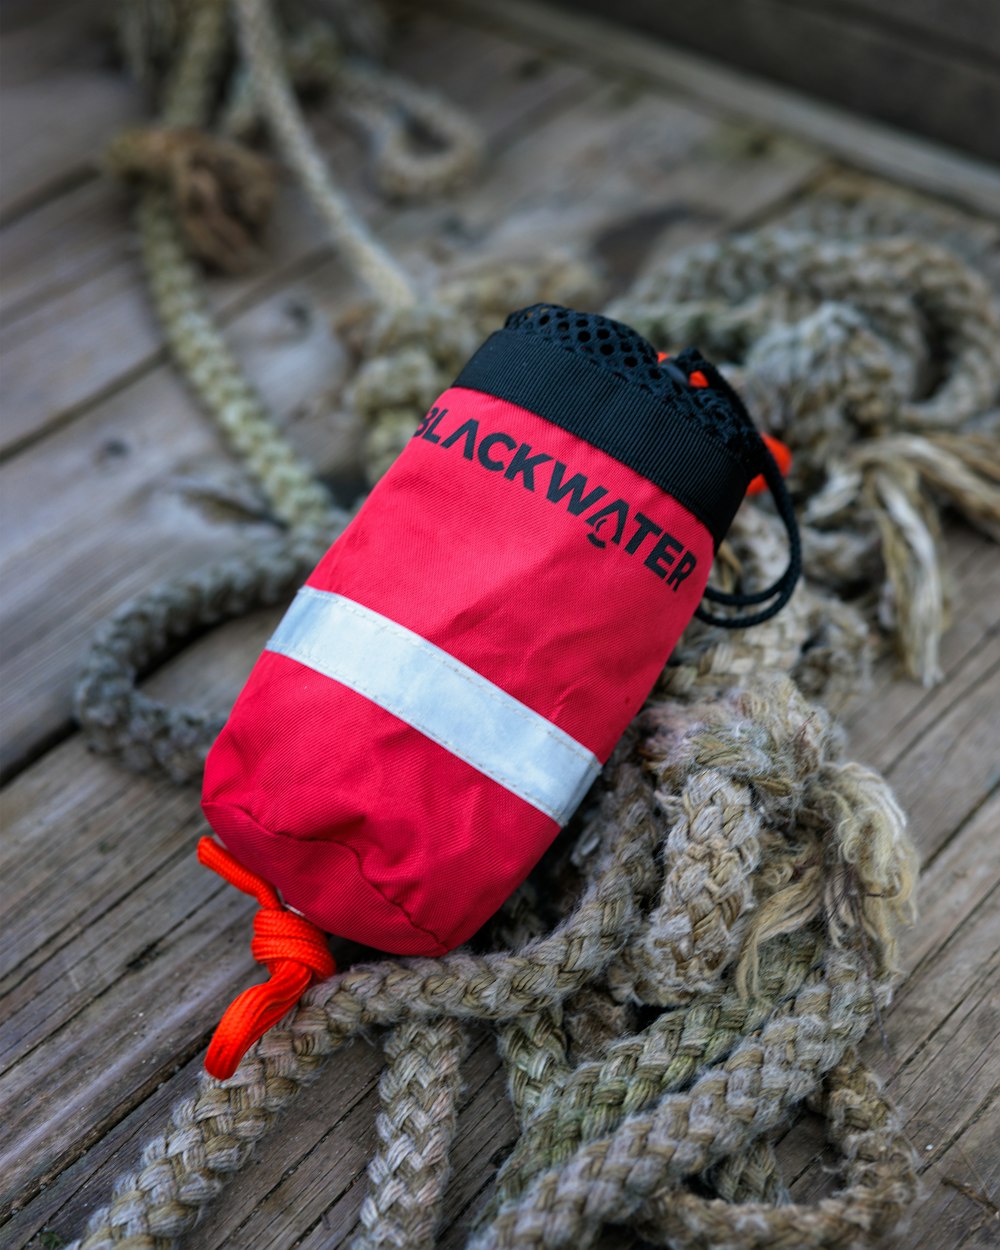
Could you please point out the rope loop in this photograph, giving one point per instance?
(221, 191)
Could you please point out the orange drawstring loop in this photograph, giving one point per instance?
(293, 950)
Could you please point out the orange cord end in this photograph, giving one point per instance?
(783, 459)
(781, 453)
(293, 950)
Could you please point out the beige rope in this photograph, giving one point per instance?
(363, 254)
(833, 342)
(685, 1094)
(419, 1095)
(735, 877)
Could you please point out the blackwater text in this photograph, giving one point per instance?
(660, 551)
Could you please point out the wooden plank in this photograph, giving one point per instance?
(65, 893)
(861, 144)
(120, 901)
(952, 887)
(946, 1093)
(970, 25)
(941, 1013)
(836, 57)
(951, 944)
(947, 1081)
(147, 527)
(947, 774)
(119, 1046)
(63, 100)
(76, 320)
(938, 747)
(941, 1030)
(963, 1205)
(884, 719)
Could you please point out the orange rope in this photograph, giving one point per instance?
(782, 455)
(293, 950)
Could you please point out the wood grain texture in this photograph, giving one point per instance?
(841, 55)
(63, 100)
(973, 26)
(124, 949)
(862, 142)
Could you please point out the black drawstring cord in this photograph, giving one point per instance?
(781, 590)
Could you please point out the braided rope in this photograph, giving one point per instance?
(419, 1095)
(751, 1092)
(834, 341)
(879, 1173)
(376, 102)
(736, 877)
(703, 1064)
(195, 341)
(296, 498)
(750, 1176)
(150, 735)
(364, 255)
(317, 57)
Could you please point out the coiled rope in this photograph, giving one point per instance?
(733, 877)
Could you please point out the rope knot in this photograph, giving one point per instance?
(293, 950)
(222, 191)
(284, 935)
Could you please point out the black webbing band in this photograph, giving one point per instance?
(654, 434)
(651, 434)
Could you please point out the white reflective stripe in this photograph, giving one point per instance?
(445, 699)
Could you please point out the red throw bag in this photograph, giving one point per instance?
(448, 683)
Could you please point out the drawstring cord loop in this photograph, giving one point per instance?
(781, 590)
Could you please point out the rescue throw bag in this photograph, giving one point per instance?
(447, 685)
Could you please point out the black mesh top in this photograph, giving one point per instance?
(690, 435)
(625, 353)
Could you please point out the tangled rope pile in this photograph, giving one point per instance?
(705, 947)
(874, 358)
(742, 871)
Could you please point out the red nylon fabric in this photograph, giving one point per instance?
(366, 826)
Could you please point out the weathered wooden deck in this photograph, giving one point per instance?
(118, 951)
